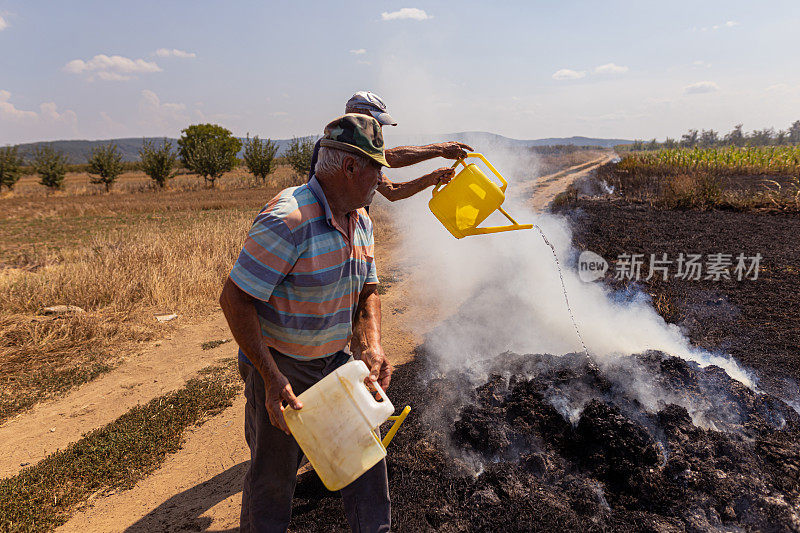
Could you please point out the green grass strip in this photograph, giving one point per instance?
(28, 390)
(118, 455)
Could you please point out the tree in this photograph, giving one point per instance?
(653, 144)
(209, 150)
(736, 136)
(781, 137)
(51, 165)
(106, 162)
(299, 153)
(709, 138)
(259, 156)
(10, 166)
(762, 137)
(794, 132)
(689, 138)
(158, 162)
(670, 143)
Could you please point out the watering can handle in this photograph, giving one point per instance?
(489, 165)
(398, 420)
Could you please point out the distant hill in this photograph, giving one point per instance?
(484, 138)
(78, 151)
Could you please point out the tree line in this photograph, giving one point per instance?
(736, 137)
(208, 150)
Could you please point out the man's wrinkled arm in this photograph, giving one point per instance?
(403, 156)
(366, 342)
(399, 191)
(240, 312)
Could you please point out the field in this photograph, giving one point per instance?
(122, 258)
(734, 178)
(512, 442)
(732, 160)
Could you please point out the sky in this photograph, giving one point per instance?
(531, 69)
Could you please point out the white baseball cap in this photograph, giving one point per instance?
(369, 101)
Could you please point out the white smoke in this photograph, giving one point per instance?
(502, 291)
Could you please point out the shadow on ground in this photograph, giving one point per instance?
(183, 511)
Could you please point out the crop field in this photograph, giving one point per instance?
(732, 160)
(752, 178)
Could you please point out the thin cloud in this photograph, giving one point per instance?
(9, 111)
(111, 68)
(174, 52)
(47, 117)
(3, 23)
(164, 115)
(701, 64)
(610, 68)
(567, 74)
(411, 13)
(701, 87)
(358, 52)
(611, 117)
(780, 87)
(49, 111)
(715, 27)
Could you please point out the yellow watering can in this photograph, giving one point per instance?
(469, 198)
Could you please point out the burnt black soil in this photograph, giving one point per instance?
(645, 443)
(755, 321)
(508, 451)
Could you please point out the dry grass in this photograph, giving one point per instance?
(121, 278)
(79, 183)
(122, 257)
(703, 189)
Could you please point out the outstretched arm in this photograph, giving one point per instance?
(399, 191)
(403, 156)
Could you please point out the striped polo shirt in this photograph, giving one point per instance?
(305, 272)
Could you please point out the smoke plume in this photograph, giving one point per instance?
(502, 292)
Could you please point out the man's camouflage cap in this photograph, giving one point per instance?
(358, 134)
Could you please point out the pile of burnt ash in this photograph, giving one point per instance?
(542, 442)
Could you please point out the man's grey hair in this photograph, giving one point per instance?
(329, 160)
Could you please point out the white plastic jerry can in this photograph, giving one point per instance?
(335, 426)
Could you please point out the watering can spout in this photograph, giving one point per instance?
(469, 199)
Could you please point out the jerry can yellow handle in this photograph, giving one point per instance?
(488, 165)
(398, 420)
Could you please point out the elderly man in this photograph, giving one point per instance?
(368, 103)
(303, 287)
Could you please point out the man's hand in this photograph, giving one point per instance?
(279, 390)
(440, 176)
(379, 368)
(455, 150)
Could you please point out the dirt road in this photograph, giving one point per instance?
(545, 189)
(199, 487)
(159, 368)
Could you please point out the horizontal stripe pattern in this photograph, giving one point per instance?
(304, 273)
